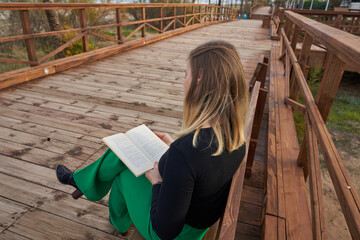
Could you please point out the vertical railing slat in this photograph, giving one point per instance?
(119, 28)
(193, 14)
(143, 17)
(161, 21)
(83, 25)
(29, 43)
(174, 14)
(316, 194)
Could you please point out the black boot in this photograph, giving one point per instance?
(65, 176)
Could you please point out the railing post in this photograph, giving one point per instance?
(193, 13)
(83, 25)
(303, 57)
(161, 21)
(174, 13)
(29, 43)
(119, 28)
(184, 13)
(325, 96)
(143, 17)
(200, 7)
(329, 84)
(205, 13)
(293, 46)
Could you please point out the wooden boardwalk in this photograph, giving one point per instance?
(62, 118)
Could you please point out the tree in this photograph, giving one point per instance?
(54, 24)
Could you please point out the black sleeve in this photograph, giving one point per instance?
(171, 199)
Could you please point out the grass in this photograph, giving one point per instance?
(344, 117)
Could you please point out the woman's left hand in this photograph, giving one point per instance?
(153, 175)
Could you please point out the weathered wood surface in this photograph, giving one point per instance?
(286, 207)
(61, 119)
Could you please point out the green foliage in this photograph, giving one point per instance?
(318, 5)
(76, 47)
(344, 115)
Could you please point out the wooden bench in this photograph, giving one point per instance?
(260, 74)
(287, 214)
(225, 228)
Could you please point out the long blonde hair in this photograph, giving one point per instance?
(220, 98)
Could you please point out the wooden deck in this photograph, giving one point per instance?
(62, 118)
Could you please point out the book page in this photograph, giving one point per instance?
(152, 146)
(128, 153)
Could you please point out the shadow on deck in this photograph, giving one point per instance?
(60, 119)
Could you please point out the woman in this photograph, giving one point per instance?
(186, 192)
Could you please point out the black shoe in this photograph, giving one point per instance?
(65, 175)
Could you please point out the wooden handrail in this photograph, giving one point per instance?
(46, 6)
(204, 14)
(345, 45)
(346, 21)
(322, 12)
(343, 48)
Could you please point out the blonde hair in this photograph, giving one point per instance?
(220, 98)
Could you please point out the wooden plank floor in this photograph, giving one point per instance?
(60, 119)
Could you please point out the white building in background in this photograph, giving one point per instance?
(353, 5)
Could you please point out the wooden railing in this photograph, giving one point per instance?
(178, 21)
(346, 21)
(343, 48)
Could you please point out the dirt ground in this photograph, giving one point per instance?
(348, 146)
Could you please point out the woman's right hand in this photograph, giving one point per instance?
(165, 137)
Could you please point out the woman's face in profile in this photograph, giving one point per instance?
(188, 77)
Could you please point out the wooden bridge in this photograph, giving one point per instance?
(57, 111)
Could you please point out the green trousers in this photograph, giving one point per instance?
(130, 196)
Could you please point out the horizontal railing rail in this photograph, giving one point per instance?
(178, 17)
(346, 21)
(342, 48)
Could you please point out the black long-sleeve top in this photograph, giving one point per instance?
(195, 184)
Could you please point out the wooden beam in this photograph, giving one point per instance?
(22, 75)
(260, 106)
(303, 59)
(329, 84)
(174, 14)
(133, 32)
(316, 194)
(56, 6)
(29, 43)
(143, 17)
(151, 26)
(345, 190)
(83, 25)
(228, 224)
(184, 13)
(193, 13)
(119, 28)
(344, 45)
(62, 47)
(7, 60)
(161, 21)
(295, 105)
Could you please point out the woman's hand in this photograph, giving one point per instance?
(165, 137)
(153, 175)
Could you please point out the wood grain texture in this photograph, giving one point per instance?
(76, 108)
(347, 195)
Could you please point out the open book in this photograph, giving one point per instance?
(139, 148)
